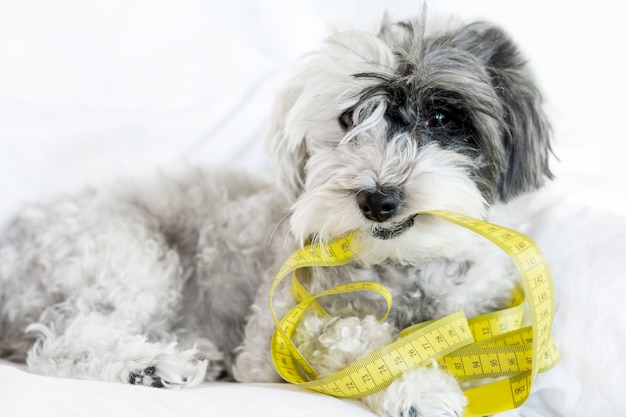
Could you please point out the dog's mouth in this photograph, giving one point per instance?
(386, 233)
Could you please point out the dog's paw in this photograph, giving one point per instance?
(146, 376)
(171, 372)
(423, 392)
(162, 366)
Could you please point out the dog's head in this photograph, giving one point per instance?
(377, 127)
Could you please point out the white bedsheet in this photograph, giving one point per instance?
(91, 90)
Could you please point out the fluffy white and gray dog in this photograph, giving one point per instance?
(164, 282)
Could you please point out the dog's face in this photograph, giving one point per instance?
(379, 127)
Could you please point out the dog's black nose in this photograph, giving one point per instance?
(381, 203)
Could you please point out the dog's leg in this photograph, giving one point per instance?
(332, 344)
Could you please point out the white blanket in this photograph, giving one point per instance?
(91, 90)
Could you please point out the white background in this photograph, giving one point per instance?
(96, 89)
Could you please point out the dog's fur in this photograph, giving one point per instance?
(165, 282)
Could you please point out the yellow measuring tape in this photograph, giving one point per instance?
(493, 345)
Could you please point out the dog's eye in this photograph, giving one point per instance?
(450, 122)
(345, 120)
(440, 118)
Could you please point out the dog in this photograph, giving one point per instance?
(164, 281)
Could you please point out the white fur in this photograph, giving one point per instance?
(165, 281)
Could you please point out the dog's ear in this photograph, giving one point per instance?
(286, 144)
(526, 135)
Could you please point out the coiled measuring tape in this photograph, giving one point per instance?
(493, 345)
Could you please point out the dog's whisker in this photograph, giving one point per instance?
(285, 217)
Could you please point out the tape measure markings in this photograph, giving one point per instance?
(496, 361)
